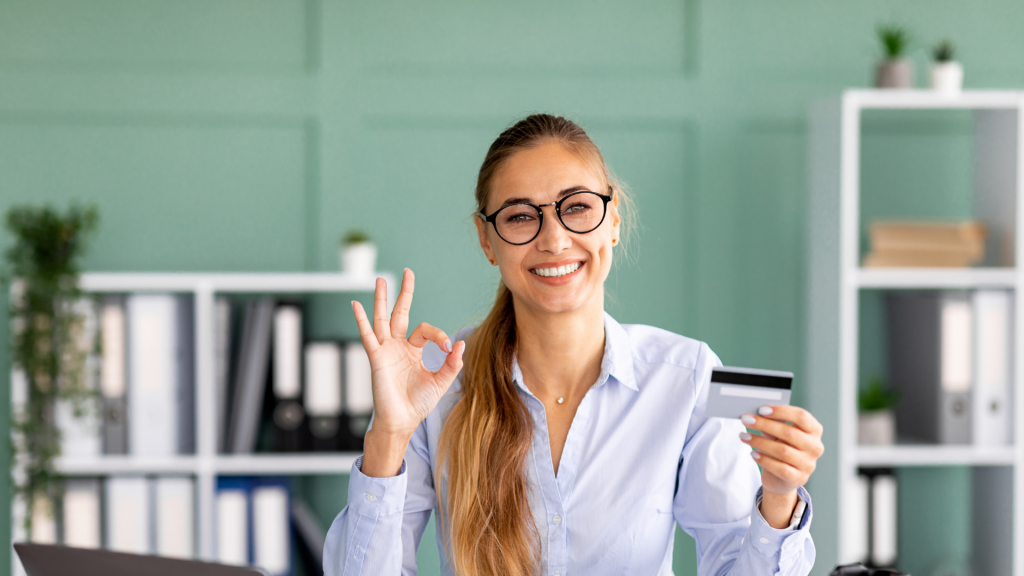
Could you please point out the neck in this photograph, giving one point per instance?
(560, 354)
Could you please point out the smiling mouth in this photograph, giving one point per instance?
(557, 271)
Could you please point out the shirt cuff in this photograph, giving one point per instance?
(768, 540)
(376, 496)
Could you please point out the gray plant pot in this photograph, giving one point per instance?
(896, 73)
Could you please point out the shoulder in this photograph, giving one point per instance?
(651, 345)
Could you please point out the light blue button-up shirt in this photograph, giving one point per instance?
(640, 457)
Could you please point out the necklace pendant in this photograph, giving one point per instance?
(560, 400)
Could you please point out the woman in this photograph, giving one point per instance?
(554, 440)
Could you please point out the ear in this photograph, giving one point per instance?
(616, 219)
(485, 242)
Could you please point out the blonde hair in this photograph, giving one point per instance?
(487, 524)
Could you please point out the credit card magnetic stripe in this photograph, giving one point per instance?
(747, 379)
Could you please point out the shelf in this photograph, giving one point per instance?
(286, 464)
(899, 456)
(905, 278)
(221, 282)
(249, 465)
(930, 99)
(126, 465)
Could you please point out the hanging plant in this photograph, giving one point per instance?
(42, 267)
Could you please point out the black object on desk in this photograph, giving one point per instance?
(47, 560)
(859, 569)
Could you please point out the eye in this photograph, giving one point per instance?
(576, 208)
(518, 216)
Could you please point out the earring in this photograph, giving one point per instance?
(615, 241)
(492, 262)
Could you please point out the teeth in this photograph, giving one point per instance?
(559, 271)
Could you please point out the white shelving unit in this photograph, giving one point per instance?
(207, 464)
(835, 283)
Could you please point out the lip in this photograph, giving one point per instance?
(561, 279)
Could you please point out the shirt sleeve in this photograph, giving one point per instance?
(716, 498)
(379, 530)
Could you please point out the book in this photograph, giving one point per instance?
(322, 394)
(127, 517)
(993, 370)
(931, 364)
(926, 243)
(113, 377)
(250, 376)
(154, 402)
(81, 513)
(288, 413)
(174, 504)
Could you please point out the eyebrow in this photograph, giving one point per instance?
(524, 200)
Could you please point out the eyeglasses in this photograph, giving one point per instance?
(579, 212)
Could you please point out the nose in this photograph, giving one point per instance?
(553, 237)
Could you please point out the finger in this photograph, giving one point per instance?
(782, 452)
(800, 418)
(791, 435)
(380, 311)
(400, 315)
(780, 469)
(365, 330)
(426, 333)
(452, 364)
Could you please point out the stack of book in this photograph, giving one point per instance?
(896, 243)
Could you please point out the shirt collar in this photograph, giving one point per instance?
(616, 363)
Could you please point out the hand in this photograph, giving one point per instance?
(787, 450)
(404, 391)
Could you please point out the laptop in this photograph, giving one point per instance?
(47, 560)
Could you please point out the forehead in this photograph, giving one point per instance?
(540, 173)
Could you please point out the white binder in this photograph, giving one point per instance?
(993, 370)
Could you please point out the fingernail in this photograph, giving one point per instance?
(748, 419)
(447, 345)
(353, 303)
(755, 455)
(745, 437)
(765, 410)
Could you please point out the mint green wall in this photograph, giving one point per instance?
(249, 134)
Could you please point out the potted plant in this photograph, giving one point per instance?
(42, 268)
(894, 71)
(358, 254)
(947, 74)
(876, 421)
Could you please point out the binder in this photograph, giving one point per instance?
(250, 376)
(222, 366)
(175, 516)
(931, 364)
(993, 371)
(184, 331)
(270, 526)
(288, 414)
(884, 526)
(113, 378)
(322, 394)
(358, 391)
(80, 433)
(232, 544)
(44, 523)
(127, 514)
(81, 517)
(153, 400)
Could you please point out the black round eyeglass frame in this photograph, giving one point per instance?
(606, 198)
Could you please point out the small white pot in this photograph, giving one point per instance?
(359, 259)
(876, 428)
(947, 77)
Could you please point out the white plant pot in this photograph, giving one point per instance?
(947, 77)
(359, 259)
(876, 428)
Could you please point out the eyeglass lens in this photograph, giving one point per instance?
(580, 213)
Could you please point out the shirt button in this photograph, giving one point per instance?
(764, 540)
(557, 520)
(371, 497)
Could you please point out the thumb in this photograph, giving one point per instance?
(452, 364)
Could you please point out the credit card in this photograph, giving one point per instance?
(738, 391)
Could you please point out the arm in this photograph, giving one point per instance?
(716, 501)
(391, 487)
